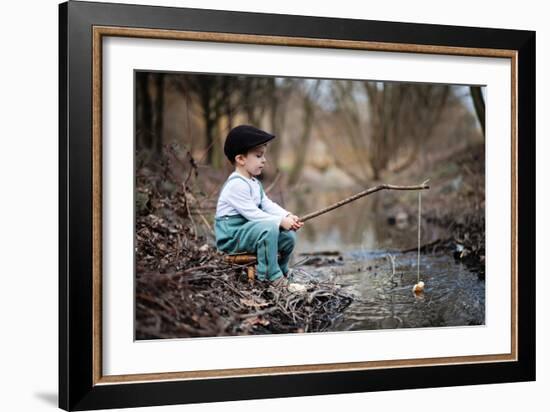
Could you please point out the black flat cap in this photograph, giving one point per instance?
(242, 138)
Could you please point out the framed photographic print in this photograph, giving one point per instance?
(257, 205)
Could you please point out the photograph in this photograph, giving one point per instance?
(289, 205)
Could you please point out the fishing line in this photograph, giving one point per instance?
(418, 255)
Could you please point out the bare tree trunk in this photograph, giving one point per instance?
(354, 134)
(301, 150)
(228, 105)
(381, 108)
(252, 100)
(205, 97)
(479, 105)
(145, 114)
(278, 98)
(216, 151)
(159, 113)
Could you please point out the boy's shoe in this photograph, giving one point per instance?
(280, 283)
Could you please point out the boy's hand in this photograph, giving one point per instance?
(287, 223)
(296, 222)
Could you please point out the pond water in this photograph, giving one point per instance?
(351, 246)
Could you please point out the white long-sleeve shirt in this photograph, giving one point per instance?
(241, 196)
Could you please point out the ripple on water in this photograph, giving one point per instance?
(454, 296)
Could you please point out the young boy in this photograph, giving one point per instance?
(246, 219)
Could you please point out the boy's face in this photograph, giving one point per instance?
(254, 161)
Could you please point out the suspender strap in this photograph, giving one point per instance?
(261, 193)
(236, 176)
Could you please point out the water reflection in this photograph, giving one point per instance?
(360, 231)
(362, 224)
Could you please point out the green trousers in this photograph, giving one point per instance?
(235, 234)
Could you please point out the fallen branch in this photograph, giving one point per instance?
(359, 195)
(171, 275)
(426, 245)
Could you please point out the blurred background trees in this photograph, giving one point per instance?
(344, 132)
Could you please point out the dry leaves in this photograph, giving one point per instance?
(185, 289)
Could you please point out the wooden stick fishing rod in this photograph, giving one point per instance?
(422, 186)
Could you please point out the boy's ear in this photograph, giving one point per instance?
(239, 159)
